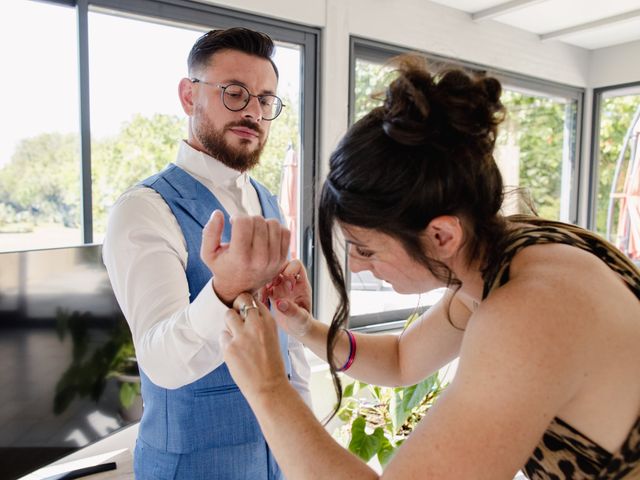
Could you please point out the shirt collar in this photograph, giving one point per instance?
(208, 170)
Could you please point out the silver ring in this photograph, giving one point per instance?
(297, 277)
(244, 309)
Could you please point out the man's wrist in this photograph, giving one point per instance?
(225, 297)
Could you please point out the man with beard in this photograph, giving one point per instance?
(196, 423)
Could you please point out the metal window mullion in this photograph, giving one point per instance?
(309, 136)
(85, 120)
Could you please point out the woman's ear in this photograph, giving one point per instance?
(185, 92)
(444, 235)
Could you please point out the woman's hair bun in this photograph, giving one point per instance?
(443, 110)
(407, 106)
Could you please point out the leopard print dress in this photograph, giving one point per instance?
(564, 452)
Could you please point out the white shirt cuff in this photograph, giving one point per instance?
(206, 313)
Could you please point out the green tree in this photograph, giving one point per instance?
(143, 146)
(537, 126)
(284, 132)
(40, 183)
(371, 82)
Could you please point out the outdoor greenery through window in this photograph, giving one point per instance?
(535, 151)
(617, 199)
(39, 157)
(136, 120)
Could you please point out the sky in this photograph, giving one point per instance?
(135, 67)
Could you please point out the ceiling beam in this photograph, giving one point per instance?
(591, 25)
(503, 8)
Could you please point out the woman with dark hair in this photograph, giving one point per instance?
(544, 316)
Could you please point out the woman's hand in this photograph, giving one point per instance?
(250, 347)
(290, 293)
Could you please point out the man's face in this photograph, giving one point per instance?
(234, 138)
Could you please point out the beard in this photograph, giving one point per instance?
(240, 158)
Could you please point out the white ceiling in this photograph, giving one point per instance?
(589, 24)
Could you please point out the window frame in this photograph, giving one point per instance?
(594, 157)
(379, 52)
(189, 13)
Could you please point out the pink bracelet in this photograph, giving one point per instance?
(352, 352)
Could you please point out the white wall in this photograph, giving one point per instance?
(615, 65)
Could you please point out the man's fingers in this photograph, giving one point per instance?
(275, 232)
(212, 235)
(284, 245)
(260, 243)
(241, 235)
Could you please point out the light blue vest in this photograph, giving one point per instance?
(205, 429)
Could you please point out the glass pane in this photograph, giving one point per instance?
(280, 165)
(371, 80)
(137, 121)
(618, 188)
(39, 146)
(535, 150)
(368, 294)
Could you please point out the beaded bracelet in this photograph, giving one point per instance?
(352, 352)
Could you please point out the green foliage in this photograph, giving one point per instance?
(90, 369)
(371, 82)
(128, 393)
(143, 147)
(390, 414)
(41, 181)
(284, 132)
(536, 125)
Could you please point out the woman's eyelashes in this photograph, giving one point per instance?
(362, 252)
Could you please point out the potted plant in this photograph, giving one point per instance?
(89, 371)
(378, 419)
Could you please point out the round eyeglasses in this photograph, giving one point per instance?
(236, 97)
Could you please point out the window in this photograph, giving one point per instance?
(39, 147)
(136, 117)
(536, 151)
(616, 168)
(75, 146)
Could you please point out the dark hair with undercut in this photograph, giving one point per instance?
(426, 152)
(236, 38)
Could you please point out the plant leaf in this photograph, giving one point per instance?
(386, 451)
(348, 391)
(405, 399)
(128, 394)
(362, 444)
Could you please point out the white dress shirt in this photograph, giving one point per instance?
(145, 254)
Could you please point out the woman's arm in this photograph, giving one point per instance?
(518, 367)
(428, 344)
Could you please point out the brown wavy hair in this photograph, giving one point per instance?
(236, 38)
(426, 152)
